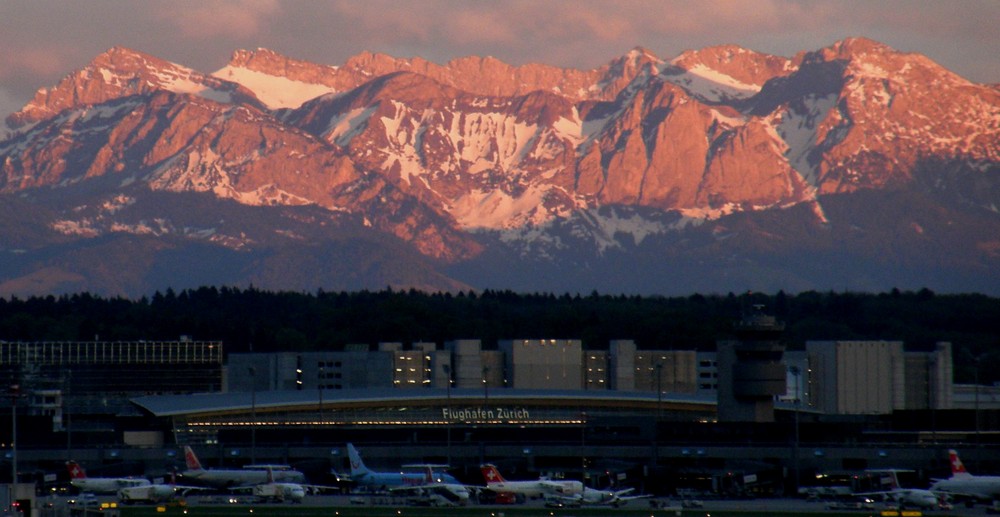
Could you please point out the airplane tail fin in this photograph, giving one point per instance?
(358, 467)
(491, 474)
(889, 480)
(428, 475)
(75, 470)
(191, 459)
(957, 468)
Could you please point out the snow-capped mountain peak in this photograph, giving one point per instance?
(476, 158)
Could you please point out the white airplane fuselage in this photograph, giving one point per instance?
(107, 485)
(981, 487)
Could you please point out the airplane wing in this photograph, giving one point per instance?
(626, 498)
(409, 490)
(980, 496)
(553, 487)
(430, 487)
(435, 494)
(340, 476)
(616, 498)
(185, 490)
(317, 489)
(558, 501)
(907, 496)
(883, 495)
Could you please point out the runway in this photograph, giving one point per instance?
(373, 505)
(655, 506)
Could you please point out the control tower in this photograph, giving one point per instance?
(751, 370)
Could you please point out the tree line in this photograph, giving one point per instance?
(263, 321)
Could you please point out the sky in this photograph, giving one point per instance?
(42, 41)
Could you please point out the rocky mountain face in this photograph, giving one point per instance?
(722, 169)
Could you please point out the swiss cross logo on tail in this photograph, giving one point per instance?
(491, 474)
(75, 472)
(956, 463)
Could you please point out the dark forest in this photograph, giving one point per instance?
(245, 319)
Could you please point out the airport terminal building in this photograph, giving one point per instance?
(530, 406)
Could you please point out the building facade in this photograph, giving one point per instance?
(100, 376)
(543, 363)
(877, 377)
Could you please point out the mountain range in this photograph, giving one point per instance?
(851, 167)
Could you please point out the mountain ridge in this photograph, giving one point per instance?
(477, 158)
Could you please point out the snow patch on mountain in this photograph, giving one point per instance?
(197, 172)
(797, 125)
(275, 92)
(602, 228)
(710, 85)
(341, 130)
(184, 85)
(486, 141)
(117, 203)
(495, 138)
(82, 228)
(609, 227)
(710, 213)
(156, 227)
(207, 173)
(270, 194)
(495, 209)
(572, 129)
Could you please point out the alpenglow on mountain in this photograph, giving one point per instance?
(851, 167)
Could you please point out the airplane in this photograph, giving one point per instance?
(280, 491)
(534, 489)
(904, 497)
(961, 482)
(572, 493)
(435, 494)
(78, 478)
(233, 478)
(434, 488)
(366, 477)
(154, 493)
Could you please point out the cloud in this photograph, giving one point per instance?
(209, 19)
(42, 40)
(31, 60)
(8, 105)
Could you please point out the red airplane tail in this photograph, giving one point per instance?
(75, 470)
(190, 459)
(491, 474)
(957, 468)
